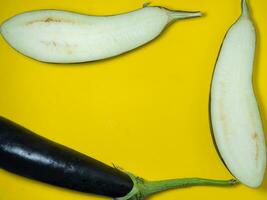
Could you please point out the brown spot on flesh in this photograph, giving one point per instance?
(257, 151)
(32, 22)
(223, 119)
(255, 137)
(221, 110)
(68, 48)
(49, 20)
(49, 43)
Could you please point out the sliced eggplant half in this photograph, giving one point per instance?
(235, 116)
(59, 36)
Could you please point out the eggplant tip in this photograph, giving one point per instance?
(202, 14)
(234, 181)
(197, 14)
(245, 10)
(146, 4)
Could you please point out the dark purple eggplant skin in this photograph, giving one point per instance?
(27, 154)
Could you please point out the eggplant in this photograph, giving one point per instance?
(27, 154)
(58, 36)
(234, 112)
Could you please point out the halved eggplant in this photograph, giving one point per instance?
(235, 116)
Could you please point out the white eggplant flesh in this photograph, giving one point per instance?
(235, 116)
(66, 37)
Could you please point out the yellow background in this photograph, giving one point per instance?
(146, 111)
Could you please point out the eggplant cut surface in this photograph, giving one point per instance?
(58, 36)
(235, 116)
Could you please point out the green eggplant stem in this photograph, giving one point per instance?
(143, 188)
(151, 187)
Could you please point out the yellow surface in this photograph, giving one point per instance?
(146, 111)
